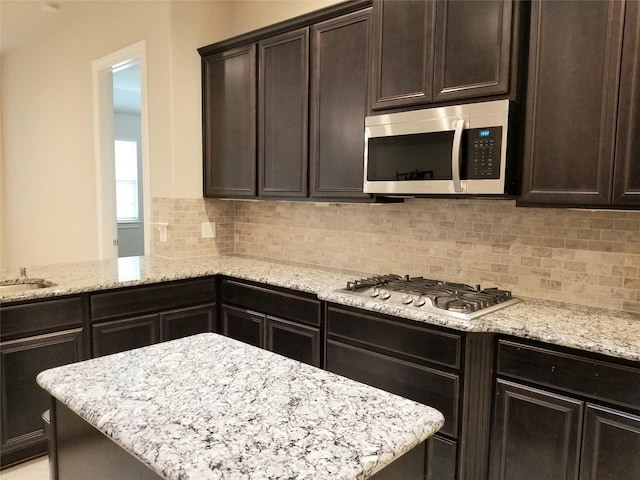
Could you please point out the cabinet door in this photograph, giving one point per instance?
(243, 325)
(611, 446)
(229, 123)
(23, 401)
(572, 100)
(536, 434)
(402, 53)
(188, 321)
(293, 340)
(421, 384)
(339, 78)
(127, 334)
(283, 114)
(472, 48)
(626, 187)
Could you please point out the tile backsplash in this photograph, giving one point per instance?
(184, 233)
(578, 256)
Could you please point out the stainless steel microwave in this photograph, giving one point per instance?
(456, 150)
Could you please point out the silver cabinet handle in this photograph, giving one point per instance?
(455, 155)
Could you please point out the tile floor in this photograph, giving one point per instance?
(37, 469)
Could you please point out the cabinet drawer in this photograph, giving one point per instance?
(165, 296)
(299, 307)
(41, 317)
(421, 384)
(599, 379)
(397, 338)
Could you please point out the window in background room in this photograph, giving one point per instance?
(126, 156)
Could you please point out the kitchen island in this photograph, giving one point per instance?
(209, 407)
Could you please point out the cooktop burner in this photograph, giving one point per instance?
(453, 299)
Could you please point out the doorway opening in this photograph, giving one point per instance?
(121, 151)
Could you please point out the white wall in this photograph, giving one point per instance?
(48, 173)
(48, 212)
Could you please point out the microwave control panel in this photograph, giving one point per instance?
(483, 153)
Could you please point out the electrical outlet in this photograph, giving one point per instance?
(208, 229)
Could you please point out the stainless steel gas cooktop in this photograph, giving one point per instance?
(446, 298)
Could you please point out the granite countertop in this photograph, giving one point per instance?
(598, 330)
(209, 407)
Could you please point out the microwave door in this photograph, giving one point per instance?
(414, 158)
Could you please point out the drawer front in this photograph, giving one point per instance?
(591, 378)
(165, 296)
(290, 306)
(41, 317)
(397, 338)
(421, 384)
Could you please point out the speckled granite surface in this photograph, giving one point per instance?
(592, 329)
(209, 407)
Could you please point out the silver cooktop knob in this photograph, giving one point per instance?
(406, 299)
(385, 294)
(374, 292)
(420, 301)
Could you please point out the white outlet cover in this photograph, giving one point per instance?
(208, 230)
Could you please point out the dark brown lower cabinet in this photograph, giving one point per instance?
(280, 320)
(129, 333)
(139, 316)
(300, 342)
(536, 434)
(561, 415)
(243, 325)
(448, 370)
(23, 401)
(188, 321)
(126, 334)
(287, 338)
(611, 445)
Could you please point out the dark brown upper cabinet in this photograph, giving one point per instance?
(283, 104)
(472, 49)
(626, 186)
(339, 104)
(229, 122)
(582, 129)
(430, 52)
(284, 108)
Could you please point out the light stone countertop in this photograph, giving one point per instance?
(209, 407)
(598, 330)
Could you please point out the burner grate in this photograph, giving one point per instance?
(450, 296)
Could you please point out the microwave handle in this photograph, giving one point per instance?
(455, 155)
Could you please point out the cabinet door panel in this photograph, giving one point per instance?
(127, 334)
(229, 123)
(23, 401)
(472, 45)
(283, 114)
(611, 446)
(441, 460)
(421, 384)
(243, 325)
(572, 99)
(535, 434)
(403, 53)
(339, 76)
(627, 174)
(188, 321)
(295, 341)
